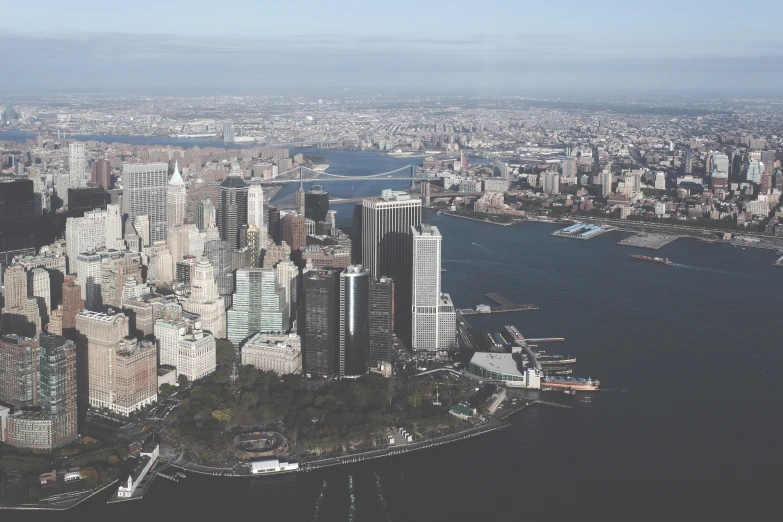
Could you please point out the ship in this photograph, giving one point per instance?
(651, 259)
(575, 383)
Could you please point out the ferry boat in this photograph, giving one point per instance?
(575, 383)
(651, 259)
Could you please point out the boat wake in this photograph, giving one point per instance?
(352, 507)
(319, 501)
(380, 496)
(481, 247)
(716, 271)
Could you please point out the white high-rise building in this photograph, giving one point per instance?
(255, 206)
(605, 179)
(176, 199)
(205, 300)
(551, 182)
(197, 355)
(433, 317)
(755, 169)
(141, 224)
(144, 190)
(168, 334)
(633, 183)
(76, 165)
(114, 227)
(85, 234)
(39, 287)
(660, 181)
(287, 275)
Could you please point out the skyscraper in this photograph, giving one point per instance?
(318, 323)
(205, 214)
(275, 231)
(605, 179)
(387, 248)
(316, 203)
(145, 193)
(294, 232)
(205, 300)
(83, 199)
(233, 209)
(100, 173)
(354, 329)
(255, 206)
(17, 213)
(39, 373)
(76, 164)
(356, 234)
(688, 167)
(219, 255)
(176, 199)
(431, 329)
(381, 320)
(19, 371)
(98, 339)
(228, 132)
(39, 288)
(287, 277)
(21, 314)
(259, 305)
(72, 305)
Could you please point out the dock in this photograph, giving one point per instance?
(647, 240)
(583, 231)
(502, 304)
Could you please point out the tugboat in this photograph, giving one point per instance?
(651, 259)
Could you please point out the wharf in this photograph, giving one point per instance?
(582, 231)
(503, 305)
(530, 402)
(779, 262)
(645, 240)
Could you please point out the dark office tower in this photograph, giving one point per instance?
(596, 160)
(381, 320)
(316, 203)
(387, 247)
(354, 346)
(100, 173)
(57, 386)
(688, 162)
(19, 371)
(275, 232)
(219, 255)
(737, 162)
(318, 323)
(356, 235)
(294, 232)
(83, 199)
(17, 216)
(242, 237)
(233, 209)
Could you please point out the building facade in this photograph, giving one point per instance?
(381, 320)
(318, 323)
(354, 328)
(281, 354)
(144, 193)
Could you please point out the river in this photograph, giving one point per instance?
(689, 423)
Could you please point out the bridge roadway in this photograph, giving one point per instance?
(341, 201)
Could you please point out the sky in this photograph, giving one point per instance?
(471, 47)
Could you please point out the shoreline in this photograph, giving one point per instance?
(314, 465)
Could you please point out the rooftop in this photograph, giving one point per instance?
(496, 362)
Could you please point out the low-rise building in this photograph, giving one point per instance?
(281, 354)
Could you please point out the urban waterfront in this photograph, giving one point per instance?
(688, 420)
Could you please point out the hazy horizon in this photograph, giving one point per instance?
(480, 49)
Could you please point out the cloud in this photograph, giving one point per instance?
(96, 61)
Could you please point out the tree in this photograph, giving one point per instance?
(165, 390)
(182, 380)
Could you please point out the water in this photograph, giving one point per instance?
(688, 425)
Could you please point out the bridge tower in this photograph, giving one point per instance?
(413, 176)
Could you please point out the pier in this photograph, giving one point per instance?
(581, 231)
(647, 240)
(502, 305)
